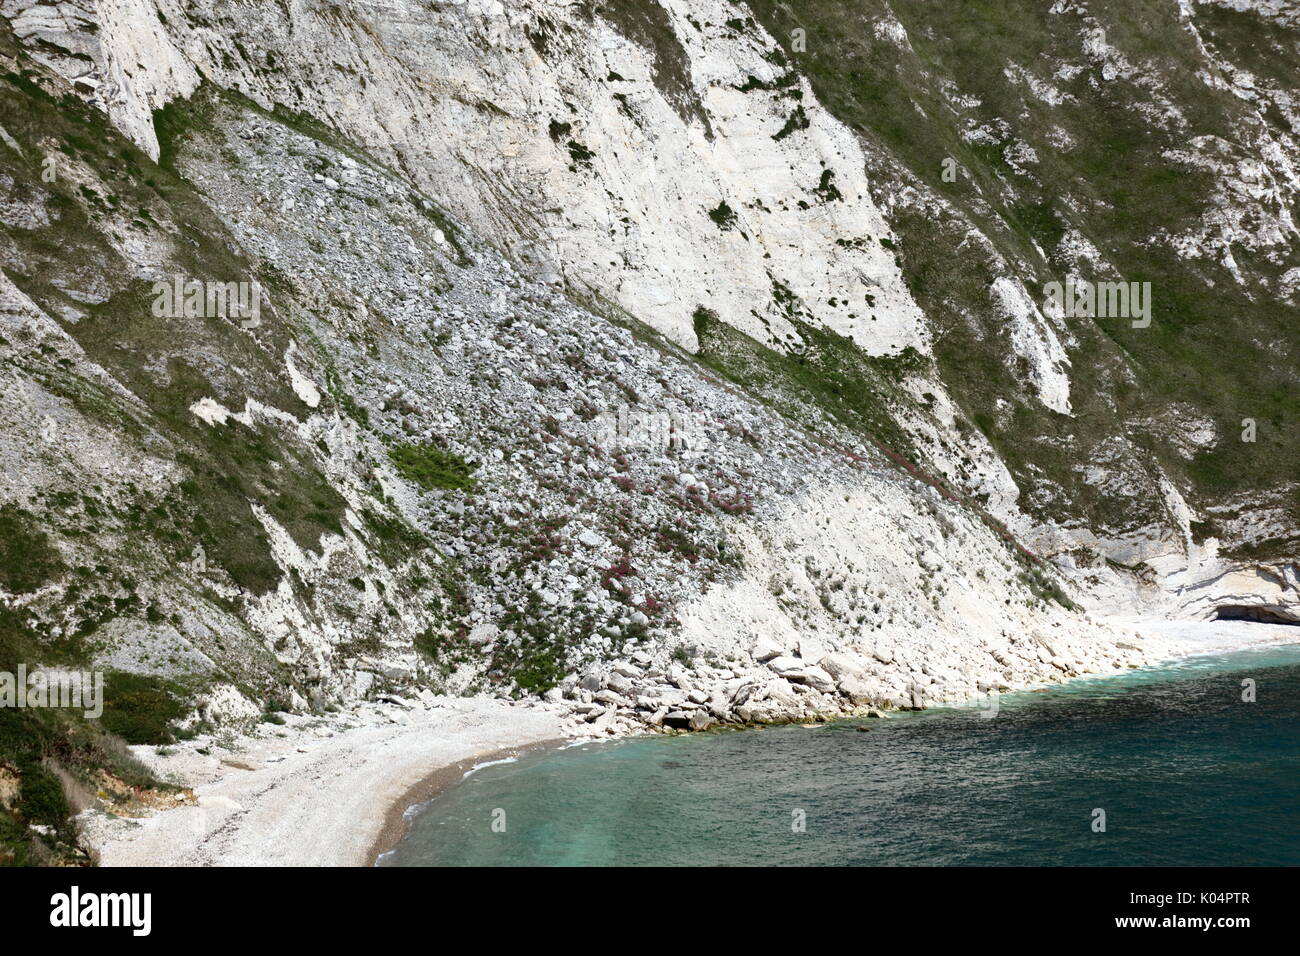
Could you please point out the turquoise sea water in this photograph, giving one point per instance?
(1186, 771)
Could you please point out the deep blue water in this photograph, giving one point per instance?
(1186, 771)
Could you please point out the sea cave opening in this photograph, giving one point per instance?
(1255, 613)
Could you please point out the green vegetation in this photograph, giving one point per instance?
(42, 798)
(27, 559)
(346, 403)
(580, 154)
(53, 752)
(829, 374)
(1045, 589)
(391, 535)
(538, 669)
(723, 216)
(140, 708)
(432, 467)
(538, 659)
(647, 23)
(798, 120)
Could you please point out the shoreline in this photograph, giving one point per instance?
(397, 818)
(398, 821)
(315, 791)
(337, 790)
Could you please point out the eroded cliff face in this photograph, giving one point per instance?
(628, 150)
(1079, 152)
(597, 358)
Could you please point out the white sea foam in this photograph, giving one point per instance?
(488, 763)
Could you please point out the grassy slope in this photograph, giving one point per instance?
(1224, 350)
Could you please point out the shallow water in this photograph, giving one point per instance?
(1186, 771)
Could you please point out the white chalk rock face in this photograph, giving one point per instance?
(650, 152)
(224, 704)
(1035, 339)
(766, 648)
(118, 55)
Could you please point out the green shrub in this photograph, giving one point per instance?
(723, 216)
(427, 644)
(14, 840)
(27, 559)
(432, 467)
(42, 799)
(139, 708)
